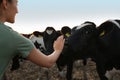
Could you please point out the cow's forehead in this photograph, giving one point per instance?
(82, 25)
(115, 22)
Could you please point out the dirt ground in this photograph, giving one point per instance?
(30, 71)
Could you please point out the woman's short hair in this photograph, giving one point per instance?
(7, 0)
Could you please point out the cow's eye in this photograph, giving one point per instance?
(86, 32)
(92, 30)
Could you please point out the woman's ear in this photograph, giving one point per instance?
(5, 4)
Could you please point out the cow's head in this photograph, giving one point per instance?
(37, 33)
(66, 31)
(83, 38)
(49, 30)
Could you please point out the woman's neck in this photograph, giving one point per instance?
(2, 17)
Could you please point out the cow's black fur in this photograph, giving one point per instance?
(49, 39)
(102, 44)
(108, 55)
(72, 49)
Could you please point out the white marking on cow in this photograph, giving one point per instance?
(82, 25)
(38, 39)
(115, 22)
(49, 32)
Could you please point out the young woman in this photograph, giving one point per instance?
(12, 43)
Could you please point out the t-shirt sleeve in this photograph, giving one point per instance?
(24, 45)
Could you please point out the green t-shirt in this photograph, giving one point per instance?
(11, 44)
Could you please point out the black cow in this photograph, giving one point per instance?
(108, 54)
(69, 53)
(50, 35)
(102, 44)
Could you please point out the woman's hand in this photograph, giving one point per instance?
(59, 43)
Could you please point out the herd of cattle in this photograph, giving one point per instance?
(100, 43)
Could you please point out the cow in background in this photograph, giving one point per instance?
(49, 36)
(108, 52)
(37, 39)
(26, 35)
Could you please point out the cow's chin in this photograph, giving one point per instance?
(61, 67)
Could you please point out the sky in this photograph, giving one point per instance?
(36, 15)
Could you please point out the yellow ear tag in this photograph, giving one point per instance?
(67, 34)
(39, 36)
(102, 33)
